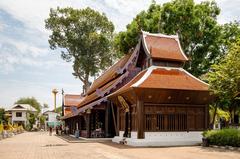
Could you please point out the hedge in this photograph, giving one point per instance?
(223, 137)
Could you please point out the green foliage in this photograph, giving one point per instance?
(59, 110)
(219, 114)
(145, 20)
(202, 38)
(230, 34)
(31, 101)
(224, 77)
(45, 106)
(84, 37)
(31, 119)
(2, 112)
(42, 119)
(28, 127)
(224, 137)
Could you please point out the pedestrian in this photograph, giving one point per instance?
(56, 130)
(67, 130)
(60, 129)
(50, 131)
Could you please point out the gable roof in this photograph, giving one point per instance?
(157, 77)
(25, 107)
(165, 47)
(111, 73)
(72, 99)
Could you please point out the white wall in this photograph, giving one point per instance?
(15, 118)
(161, 138)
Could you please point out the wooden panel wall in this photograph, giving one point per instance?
(174, 118)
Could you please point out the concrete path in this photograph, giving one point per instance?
(38, 145)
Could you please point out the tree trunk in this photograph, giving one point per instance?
(214, 116)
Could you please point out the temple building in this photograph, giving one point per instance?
(146, 98)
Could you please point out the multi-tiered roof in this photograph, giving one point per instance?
(168, 73)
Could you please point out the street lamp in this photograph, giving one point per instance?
(54, 91)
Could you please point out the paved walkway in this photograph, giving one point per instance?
(38, 145)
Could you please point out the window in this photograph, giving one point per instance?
(18, 114)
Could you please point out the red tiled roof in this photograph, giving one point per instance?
(164, 78)
(164, 47)
(67, 111)
(72, 99)
(109, 74)
(105, 89)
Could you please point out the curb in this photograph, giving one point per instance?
(226, 147)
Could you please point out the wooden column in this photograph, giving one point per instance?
(140, 119)
(117, 133)
(88, 125)
(107, 114)
(114, 119)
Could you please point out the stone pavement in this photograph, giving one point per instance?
(39, 145)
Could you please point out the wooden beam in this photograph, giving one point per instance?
(117, 133)
(140, 119)
(107, 120)
(88, 125)
(114, 119)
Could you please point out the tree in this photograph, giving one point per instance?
(230, 34)
(224, 79)
(147, 21)
(45, 106)
(59, 110)
(196, 24)
(2, 113)
(31, 101)
(84, 37)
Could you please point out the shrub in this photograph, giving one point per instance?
(230, 137)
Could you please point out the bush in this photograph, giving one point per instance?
(28, 127)
(230, 137)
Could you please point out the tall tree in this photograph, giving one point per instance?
(31, 101)
(84, 37)
(224, 79)
(2, 113)
(196, 25)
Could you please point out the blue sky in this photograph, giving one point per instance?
(29, 68)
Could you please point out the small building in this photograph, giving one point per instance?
(146, 98)
(20, 113)
(51, 118)
(71, 102)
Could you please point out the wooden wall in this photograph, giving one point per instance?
(168, 117)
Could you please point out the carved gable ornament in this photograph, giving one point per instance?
(123, 103)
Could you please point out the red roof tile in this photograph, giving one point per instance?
(164, 78)
(72, 99)
(164, 47)
(101, 91)
(109, 74)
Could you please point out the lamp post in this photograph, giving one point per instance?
(54, 91)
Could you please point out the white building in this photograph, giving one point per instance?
(51, 118)
(20, 112)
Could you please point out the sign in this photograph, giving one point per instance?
(123, 103)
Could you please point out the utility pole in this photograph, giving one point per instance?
(54, 91)
(62, 102)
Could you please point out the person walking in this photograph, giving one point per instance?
(50, 131)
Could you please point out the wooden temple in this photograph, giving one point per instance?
(146, 98)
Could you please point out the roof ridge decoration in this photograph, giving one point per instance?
(119, 70)
(175, 37)
(107, 90)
